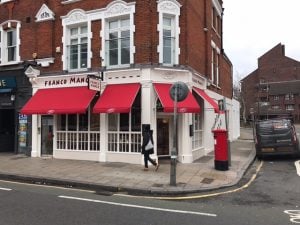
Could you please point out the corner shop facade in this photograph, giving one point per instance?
(107, 126)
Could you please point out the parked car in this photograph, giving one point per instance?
(276, 137)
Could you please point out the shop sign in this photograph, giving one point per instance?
(7, 82)
(65, 81)
(94, 83)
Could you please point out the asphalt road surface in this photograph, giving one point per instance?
(272, 198)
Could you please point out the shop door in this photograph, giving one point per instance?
(7, 130)
(47, 135)
(163, 148)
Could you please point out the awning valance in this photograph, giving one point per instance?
(206, 97)
(70, 100)
(117, 98)
(189, 105)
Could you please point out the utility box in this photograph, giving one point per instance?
(221, 149)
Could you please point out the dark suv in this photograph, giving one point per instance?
(276, 137)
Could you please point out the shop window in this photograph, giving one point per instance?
(197, 131)
(72, 122)
(83, 122)
(118, 39)
(124, 134)
(79, 132)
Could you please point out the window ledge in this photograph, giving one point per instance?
(65, 2)
(10, 63)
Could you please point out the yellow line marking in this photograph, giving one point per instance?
(206, 195)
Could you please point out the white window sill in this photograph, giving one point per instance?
(9, 63)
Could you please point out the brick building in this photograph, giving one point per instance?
(138, 49)
(274, 87)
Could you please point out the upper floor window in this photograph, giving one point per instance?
(76, 41)
(215, 61)
(276, 97)
(168, 40)
(9, 47)
(168, 28)
(77, 48)
(118, 42)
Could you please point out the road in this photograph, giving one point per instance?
(272, 198)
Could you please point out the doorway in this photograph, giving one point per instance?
(47, 135)
(163, 140)
(7, 130)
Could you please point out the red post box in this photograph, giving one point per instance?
(221, 149)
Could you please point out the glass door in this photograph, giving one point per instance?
(47, 135)
(163, 148)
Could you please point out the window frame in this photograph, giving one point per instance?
(6, 28)
(169, 9)
(119, 29)
(79, 36)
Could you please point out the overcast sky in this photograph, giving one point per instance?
(252, 27)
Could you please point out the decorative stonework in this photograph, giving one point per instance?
(76, 16)
(117, 9)
(169, 6)
(44, 14)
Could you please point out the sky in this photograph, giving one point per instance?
(253, 27)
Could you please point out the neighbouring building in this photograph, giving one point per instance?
(137, 49)
(273, 89)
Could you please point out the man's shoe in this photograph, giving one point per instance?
(145, 169)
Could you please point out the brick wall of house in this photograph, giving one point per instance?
(274, 68)
(195, 41)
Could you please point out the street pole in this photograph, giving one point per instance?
(174, 149)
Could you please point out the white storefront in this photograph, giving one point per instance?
(107, 126)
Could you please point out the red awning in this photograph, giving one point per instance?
(189, 105)
(117, 98)
(205, 96)
(59, 101)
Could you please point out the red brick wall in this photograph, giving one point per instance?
(195, 43)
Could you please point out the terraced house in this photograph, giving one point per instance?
(132, 51)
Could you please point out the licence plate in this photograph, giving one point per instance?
(267, 149)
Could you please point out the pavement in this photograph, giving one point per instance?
(195, 177)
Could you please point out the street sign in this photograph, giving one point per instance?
(180, 89)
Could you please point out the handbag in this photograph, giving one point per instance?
(149, 145)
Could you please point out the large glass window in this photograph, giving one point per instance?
(124, 132)
(118, 42)
(78, 132)
(78, 47)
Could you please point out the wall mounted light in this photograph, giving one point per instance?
(12, 97)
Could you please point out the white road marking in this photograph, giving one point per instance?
(297, 164)
(294, 215)
(5, 189)
(138, 206)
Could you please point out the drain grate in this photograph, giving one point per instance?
(157, 185)
(207, 180)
